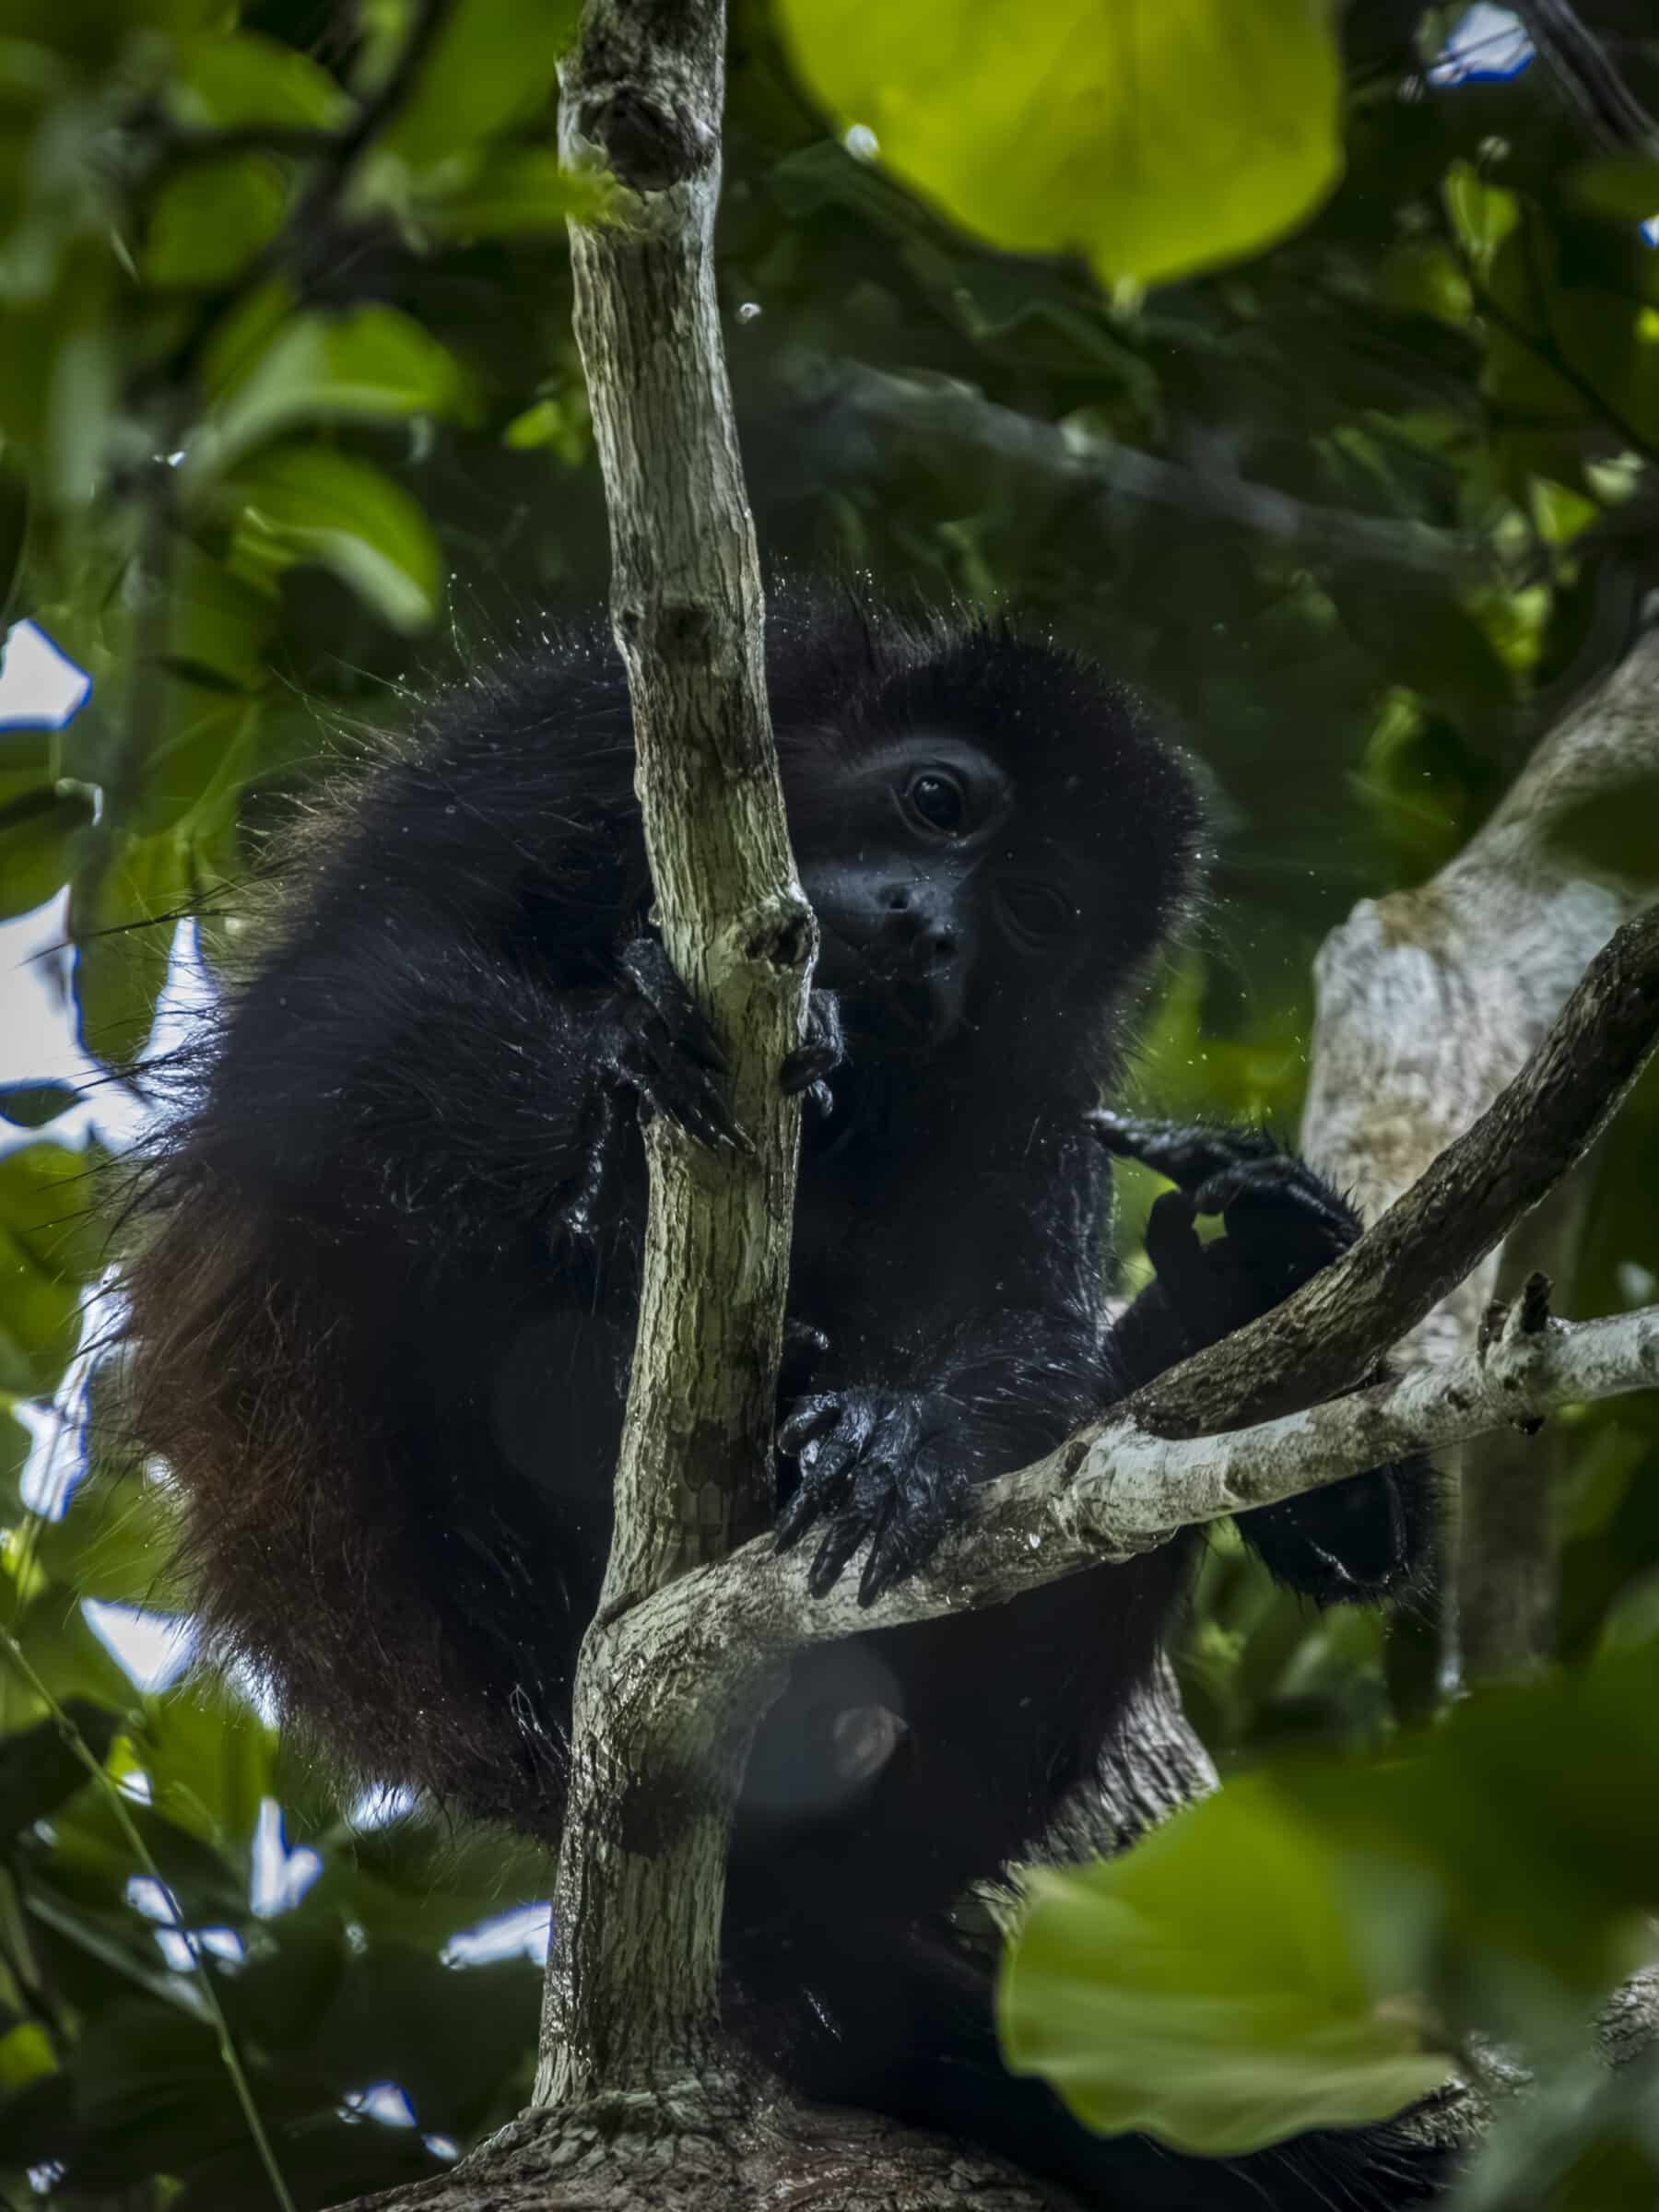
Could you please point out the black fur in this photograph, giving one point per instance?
(384, 1304)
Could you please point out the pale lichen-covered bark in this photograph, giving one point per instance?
(1429, 1002)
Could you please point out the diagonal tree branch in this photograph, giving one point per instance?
(1332, 1333)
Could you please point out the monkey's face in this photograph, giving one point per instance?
(931, 892)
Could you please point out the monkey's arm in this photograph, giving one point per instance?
(968, 1342)
(1356, 1539)
(422, 1078)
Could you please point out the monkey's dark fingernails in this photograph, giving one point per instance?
(705, 1113)
(697, 1042)
(805, 1067)
(1130, 1139)
(885, 1564)
(1216, 1195)
(842, 1540)
(795, 1519)
(809, 1419)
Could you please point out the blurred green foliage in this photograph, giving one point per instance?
(290, 415)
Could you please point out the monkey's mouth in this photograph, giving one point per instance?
(904, 1014)
(905, 1005)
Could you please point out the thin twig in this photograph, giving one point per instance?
(1579, 63)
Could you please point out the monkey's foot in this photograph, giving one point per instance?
(1284, 1222)
(875, 1464)
(1360, 1539)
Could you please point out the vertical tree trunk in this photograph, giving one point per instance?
(632, 1986)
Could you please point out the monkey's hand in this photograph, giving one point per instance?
(877, 1464)
(1353, 1539)
(656, 1042)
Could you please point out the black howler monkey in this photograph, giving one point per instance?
(383, 1305)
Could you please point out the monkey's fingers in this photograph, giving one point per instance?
(691, 1093)
(842, 1540)
(1189, 1154)
(1178, 1261)
(823, 1050)
(806, 1067)
(648, 968)
(812, 1417)
(919, 1514)
(1278, 1194)
(824, 1483)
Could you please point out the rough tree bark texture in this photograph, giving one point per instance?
(632, 1986)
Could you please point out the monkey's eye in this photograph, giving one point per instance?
(938, 800)
(1036, 914)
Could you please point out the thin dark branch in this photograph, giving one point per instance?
(1330, 1336)
(1591, 84)
(942, 410)
(1544, 347)
(186, 148)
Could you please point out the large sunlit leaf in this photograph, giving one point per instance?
(1207, 1989)
(1154, 136)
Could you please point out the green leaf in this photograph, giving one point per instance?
(495, 64)
(115, 1542)
(1517, 1828)
(39, 1771)
(240, 79)
(32, 1105)
(371, 364)
(211, 1762)
(1207, 1987)
(1624, 186)
(16, 1442)
(1482, 214)
(123, 908)
(1155, 137)
(40, 833)
(208, 222)
(312, 504)
(519, 192)
(14, 535)
(49, 1247)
